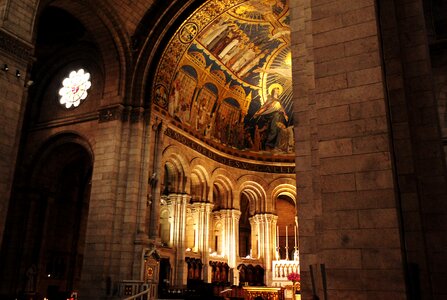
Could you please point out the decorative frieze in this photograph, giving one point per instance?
(125, 114)
(15, 47)
(256, 167)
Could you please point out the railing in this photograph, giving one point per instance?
(282, 268)
(144, 295)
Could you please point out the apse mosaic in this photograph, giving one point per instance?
(226, 75)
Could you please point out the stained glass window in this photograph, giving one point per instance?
(74, 88)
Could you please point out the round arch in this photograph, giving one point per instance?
(223, 186)
(54, 206)
(253, 187)
(199, 183)
(176, 170)
(49, 146)
(102, 24)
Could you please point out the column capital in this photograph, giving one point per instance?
(230, 213)
(265, 217)
(203, 206)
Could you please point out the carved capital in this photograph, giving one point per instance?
(137, 114)
(110, 114)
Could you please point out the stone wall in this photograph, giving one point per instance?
(348, 213)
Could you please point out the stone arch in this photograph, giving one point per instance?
(111, 40)
(176, 170)
(199, 183)
(216, 237)
(254, 188)
(49, 146)
(223, 189)
(150, 39)
(53, 205)
(282, 186)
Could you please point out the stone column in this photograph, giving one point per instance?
(344, 167)
(230, 241)
(178, 203)
(254, 237)
(203, 232)
(158, 129)
(105, 225)
(266, 237)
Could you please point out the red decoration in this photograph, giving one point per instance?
(294, 277)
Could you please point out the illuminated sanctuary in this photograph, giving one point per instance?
(223, 149)
(224, 141)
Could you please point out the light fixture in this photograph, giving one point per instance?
(17, 73)
(5, 67)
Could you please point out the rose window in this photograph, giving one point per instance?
(74, 88)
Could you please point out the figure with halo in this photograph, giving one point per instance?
(273, 114)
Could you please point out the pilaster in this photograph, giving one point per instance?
(15, 58)
(106, 207)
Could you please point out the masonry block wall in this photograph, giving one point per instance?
(372, 202)
(344, 163)
(371, 178)
(420, 167)
(15, 55)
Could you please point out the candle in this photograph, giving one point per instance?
(277, 243)
(287, 244)
(295, 235)
(277, 236)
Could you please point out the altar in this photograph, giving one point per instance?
(266, 293)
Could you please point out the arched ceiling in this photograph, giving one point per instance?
(219, 69)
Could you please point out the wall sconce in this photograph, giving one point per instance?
(17, 73)
(5, 68)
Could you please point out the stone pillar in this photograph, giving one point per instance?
(105, 225)
(15, 56)
(231, 235)
(133, 182)
(420, 168)
(203, 233)
(254, 225)
(266, 237)
(158, 129)
(230, 241)
(178, 203)
(349, 219)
